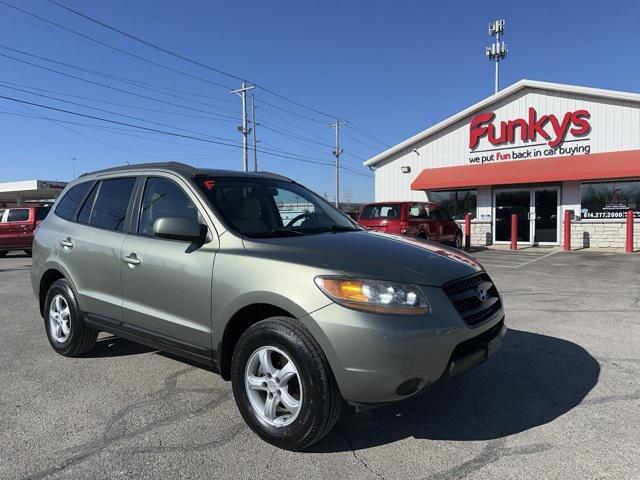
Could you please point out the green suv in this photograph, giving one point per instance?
(261, 279)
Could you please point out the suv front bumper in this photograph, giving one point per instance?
(384, 358)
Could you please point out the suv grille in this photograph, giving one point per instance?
(464, 296)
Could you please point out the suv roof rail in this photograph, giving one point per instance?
(176, 166)
(187, 170)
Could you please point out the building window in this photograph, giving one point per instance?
(456, 202)
(610, 199)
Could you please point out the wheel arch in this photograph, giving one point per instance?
(239, 322)
(47, 279)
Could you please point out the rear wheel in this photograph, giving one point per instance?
(3, 253)
(28, 252)
(283, 385)
(68, 334)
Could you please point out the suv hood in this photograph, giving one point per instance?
(369, 254)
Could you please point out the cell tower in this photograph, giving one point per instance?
(498, 50)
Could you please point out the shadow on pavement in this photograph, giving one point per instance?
(533, 380)
(116, 347)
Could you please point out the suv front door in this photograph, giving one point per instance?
(167, 283)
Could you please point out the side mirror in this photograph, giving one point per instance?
(180, 228)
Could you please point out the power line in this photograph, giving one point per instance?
(155, 130)
(362, 132)
(110, 87)
(107, 45)
(136, 83)
(185, 58)
(134, 107)
(111, 112)
(164, 50)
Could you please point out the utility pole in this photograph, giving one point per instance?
(74, 167)
(255, 141)
(337, 153)
(498, 50)
(244, 129)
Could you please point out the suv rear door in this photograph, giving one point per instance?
(167, 283)
(90, 246)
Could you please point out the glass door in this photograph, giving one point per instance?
(547, 217)
(506, 203)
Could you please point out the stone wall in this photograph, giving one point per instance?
(480, 233)
(602, 234)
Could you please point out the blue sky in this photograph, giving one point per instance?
(390, 68)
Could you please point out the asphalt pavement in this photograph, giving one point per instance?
(561, 399)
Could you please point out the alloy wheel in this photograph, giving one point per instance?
(273, 386)
(59, 319)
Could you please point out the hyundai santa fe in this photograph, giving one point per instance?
(265, 282)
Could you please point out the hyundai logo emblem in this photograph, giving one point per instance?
(481, 294)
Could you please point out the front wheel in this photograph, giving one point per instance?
(283, 385)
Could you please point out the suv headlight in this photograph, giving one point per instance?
(376, 296)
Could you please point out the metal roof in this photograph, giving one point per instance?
(510, 90)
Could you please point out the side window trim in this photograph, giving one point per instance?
(135, 226)
(81, 202)
(97, 186)
(86, 195)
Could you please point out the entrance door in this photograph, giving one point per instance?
(546, 215)
(508, 202)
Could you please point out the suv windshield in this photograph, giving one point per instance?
(264, 208)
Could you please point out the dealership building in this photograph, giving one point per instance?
(535, 149)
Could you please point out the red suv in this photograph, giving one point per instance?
(416, 219)
(18, 226)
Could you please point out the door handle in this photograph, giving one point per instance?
(67, 243)
(132, 259)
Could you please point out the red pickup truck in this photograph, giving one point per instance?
(18, 226)
(425, 220)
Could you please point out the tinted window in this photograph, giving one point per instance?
(610, 199)
(456, 202)
(372, 212)
(163, 198)
(110, 208)
(41, 213)
(69, 203)
(18, 215)
(85, 212)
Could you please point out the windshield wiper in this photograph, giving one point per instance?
(340, 228)
(278, 232)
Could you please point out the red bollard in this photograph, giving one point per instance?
(567, 230)
(629, 248)
(467, 231)
(514, 231)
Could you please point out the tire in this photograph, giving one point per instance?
(313, 385)
(458, 241)
(3, 253)
(78, 337)
(28, 252)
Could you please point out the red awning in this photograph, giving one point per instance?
(596, 166)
